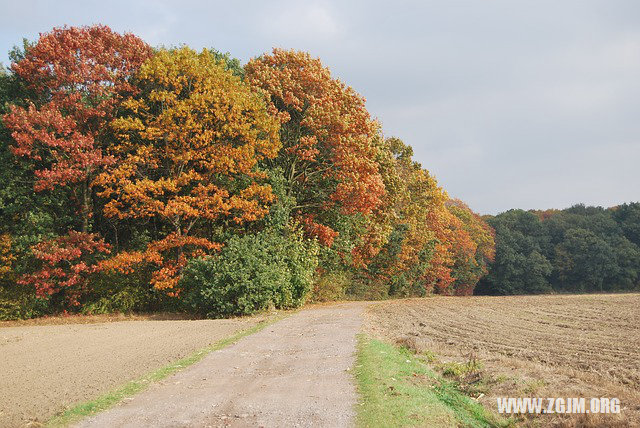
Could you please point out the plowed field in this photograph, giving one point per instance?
(530, 346)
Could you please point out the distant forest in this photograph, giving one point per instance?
(579, 249)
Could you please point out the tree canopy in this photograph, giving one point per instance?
(579, 249)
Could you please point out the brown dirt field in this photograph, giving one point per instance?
(47, 368)
(95, 319)
(529, 346)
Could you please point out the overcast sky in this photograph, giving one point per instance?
(510, 104)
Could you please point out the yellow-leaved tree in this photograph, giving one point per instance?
(187, 151)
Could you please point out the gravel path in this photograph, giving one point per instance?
(46, 368)
(293, 373)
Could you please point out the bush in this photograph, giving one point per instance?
(330, 286)
(252, 273)
(116, 292)
(20, 302)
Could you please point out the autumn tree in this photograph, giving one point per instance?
(473, 247)
(66, 263)
(328, 155)
(439, 231)
(415, 256)
(69, 84)
(187, 159)
(120, 159)
(78, 76)
(434, 244)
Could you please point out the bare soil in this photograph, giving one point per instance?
(529, 346)
(47, 368)
(97, 319)
(295, 372)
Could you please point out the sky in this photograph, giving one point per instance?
(509, 103)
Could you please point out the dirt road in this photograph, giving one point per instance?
(45, 368)
(293, 373)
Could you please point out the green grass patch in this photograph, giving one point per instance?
(397, 389)
(133, 387)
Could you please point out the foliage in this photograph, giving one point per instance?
(25, 216)
(474, 248)
(520, 266)
(252, 273)
(330, 286)
(168, 156)
(628, 218)
(430, 243)
(141, 179)
(7, 258)
(411, 203)
(19, 303)
(116, 292)
(329, 151)
(62, 91)
(78, 77)
(16, 301)
(579, 249)
(187, 154)
(66, 265)
(230, 63)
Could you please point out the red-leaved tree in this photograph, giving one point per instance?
(79, 75)
(77, 78)
(66, 264)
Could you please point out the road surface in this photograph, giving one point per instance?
(296, 372)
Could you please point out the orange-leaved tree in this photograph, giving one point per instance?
(474, 249)
(415, 257)
(188, 152)
(435, 244)
(329, 155)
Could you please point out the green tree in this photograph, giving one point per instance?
(628, 218)
(583, 262)
(519, 266)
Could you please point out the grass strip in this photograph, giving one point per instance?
(397, 389)
(133, 387)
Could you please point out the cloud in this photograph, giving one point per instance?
(301, 20)
(530, 104)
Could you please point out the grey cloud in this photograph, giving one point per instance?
(529, 104)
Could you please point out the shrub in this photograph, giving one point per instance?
(20, 302)
(252, 273)
(117, 292)
(330, 286)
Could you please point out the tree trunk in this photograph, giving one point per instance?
(86, 206)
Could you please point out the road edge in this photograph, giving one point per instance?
(399, 387)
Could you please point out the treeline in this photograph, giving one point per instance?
(146, 179)
(579, 249)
